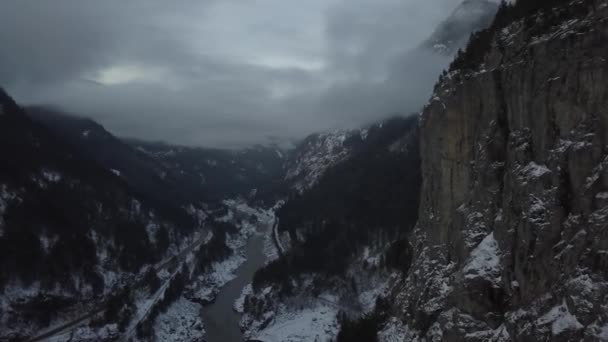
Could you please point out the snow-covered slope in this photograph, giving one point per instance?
(307, 163)
(72, 232)
(318, 152)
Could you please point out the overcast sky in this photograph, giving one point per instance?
(223, 73)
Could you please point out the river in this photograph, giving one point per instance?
(221, 321)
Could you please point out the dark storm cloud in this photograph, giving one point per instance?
(224, 72)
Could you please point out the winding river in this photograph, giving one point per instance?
(221, 321)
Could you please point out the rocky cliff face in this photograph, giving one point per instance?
(512, 241)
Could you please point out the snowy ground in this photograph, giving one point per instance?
(314, 324)
(309, 317)
(209, 284)
(16, 324)
(238, 304)
(180, 323)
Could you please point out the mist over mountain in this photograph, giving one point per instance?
(222, 73)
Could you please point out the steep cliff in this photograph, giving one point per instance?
(512, 240)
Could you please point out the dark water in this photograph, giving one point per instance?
(221, 322)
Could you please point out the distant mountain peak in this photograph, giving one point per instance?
(453, 32)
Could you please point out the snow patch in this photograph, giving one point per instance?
(534, 171)
(560, 319)
(602, 195)
(51, 176)
(394, 331)
(240, 302)
(484, 261)
(600, 332)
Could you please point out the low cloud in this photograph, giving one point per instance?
(223, 73)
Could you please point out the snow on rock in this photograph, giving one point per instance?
(484, 261)
(560, 319)
(475, 223)
(602, 195)
(534, 170)
(531, 172)
(318, 153)
(370, 287)
(500, 334)
(51, 176)
(432, 274)
(239, 302)
(394, 331)
(600, 332)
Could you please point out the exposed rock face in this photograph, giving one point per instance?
(315, 155)
(512, 241)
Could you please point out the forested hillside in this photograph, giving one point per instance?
(70, 230)
(357, 203)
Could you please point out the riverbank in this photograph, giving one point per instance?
(221, 321)
(212, 294)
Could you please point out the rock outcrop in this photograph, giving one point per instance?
(512, 240)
